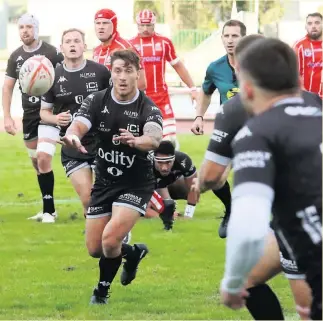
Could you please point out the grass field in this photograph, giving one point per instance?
(45, 272)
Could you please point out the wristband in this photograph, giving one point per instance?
(189, 210)
(198, 117)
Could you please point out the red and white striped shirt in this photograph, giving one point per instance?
(309, 54)
(155, 51)
(102, 53)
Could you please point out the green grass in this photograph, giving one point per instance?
(45, 272)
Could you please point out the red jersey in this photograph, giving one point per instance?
(155, 51)
(102, 53)
(309, 53)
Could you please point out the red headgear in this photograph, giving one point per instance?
(108, 15)
(146, 17)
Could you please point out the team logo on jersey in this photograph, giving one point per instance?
(61, 79)
(79, 99)
(33, 99)
(158, 46)
(183, 162)
(242, 133)
(92, 86)
(232, 92)
(307, 52)
(19, 58)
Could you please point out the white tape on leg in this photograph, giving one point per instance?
(47, 148)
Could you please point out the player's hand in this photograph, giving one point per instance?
(10, 126)
(73, 141)
(63, 119)
(234, 301)
(126, 138)
(197, 127)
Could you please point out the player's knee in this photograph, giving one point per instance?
(111, 244)
(94, 249)
(44, 161)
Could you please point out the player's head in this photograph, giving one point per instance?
(164, 157)
(125, 70)
(73, 43)
(106, 22)
(146, 20)
(28, 28)
(314, 25)
(232, 32)
(267, 70)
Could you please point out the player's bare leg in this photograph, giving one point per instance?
(302, 297)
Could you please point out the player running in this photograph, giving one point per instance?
(74, 80)
(309, 53)
(155, 51)
(106, 29)
(29, 34)
(124, 180)
(277, 170)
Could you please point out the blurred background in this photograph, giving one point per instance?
(194, 27)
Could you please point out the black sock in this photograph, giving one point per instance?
(46, 184)
(108, 270)
(263, 303)
(224, 194)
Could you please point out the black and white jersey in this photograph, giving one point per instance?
(278, 155)
(115, 161)
(69, 90)
(31, 104)
(229, 120)
(183, 166)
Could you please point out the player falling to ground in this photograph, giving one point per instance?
(218, 156)
(124, 181)
(155, 51)
(28, 30)
(74, 80)
(106, 30)
(310, 54)
(174, 172)
(221, 75)
(277, 170)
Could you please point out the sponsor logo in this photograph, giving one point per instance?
(94, 209)
(20, 58)
(307, 52)
(26, 136)
(79, 99)
(105, 110)
(302, 111)
(114, 171)
(131, 114)
(151, 59)
(92, 86)
(34, 99)
(115, 142)
(133, 129)
(154, 108)
(218, 135)
(288, 264)
(102, 127)
(117, 158)
(315, 64)
(250, 159)
(69, 165)
(47, 197)
(87, 75)
(130, 198)
(63, 92)
(61, 79)
(242, 133)
(183, 162)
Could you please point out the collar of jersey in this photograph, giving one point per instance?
(128, 102)
(35, 49)
(74, 70)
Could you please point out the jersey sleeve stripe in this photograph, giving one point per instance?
(254, 189)
(46, 105)
(84, 121)
(216, 158)
(6, 76)
(175, 61)
(153, 124)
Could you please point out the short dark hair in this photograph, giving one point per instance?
(315, 14)
(129, 56)
(166, 148)
(236, 23)
(271, 64)
(245, 42)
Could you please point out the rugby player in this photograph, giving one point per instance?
(156, 50)
(29, 34)
(74, 80)
(174, 172)
(214, 169)
(277, 168)
(221, 75)
(124, 180)
(310, 54)
(106, 30)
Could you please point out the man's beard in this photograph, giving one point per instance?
(316, 36)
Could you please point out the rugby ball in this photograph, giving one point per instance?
(36, 76)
